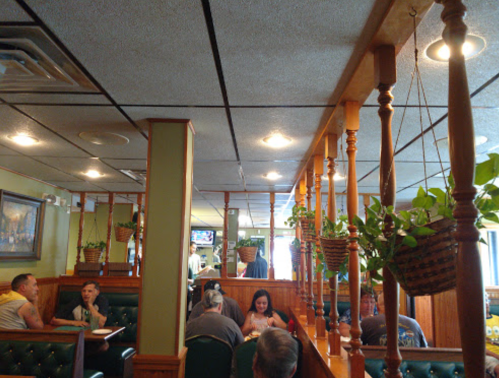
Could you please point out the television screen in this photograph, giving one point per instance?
(203, 237)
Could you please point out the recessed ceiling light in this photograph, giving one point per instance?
(23, 140)
(277, 140)
(93, 174)
(272, 176)
(444, 142)
(440, 52)
(103, 138)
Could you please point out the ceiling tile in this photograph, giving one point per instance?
(77, 186)
(28, 166)
(135, 164)
(12, 12)
(51, 98)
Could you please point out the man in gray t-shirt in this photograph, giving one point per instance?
(212, 322)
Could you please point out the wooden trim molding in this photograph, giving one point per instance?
(152, 366)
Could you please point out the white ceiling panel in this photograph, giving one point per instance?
(138, 164)
(123, 187)
(77, 168)
(46, 98)
(12, 12)
(254, 173)
(77, 186)
(7, 151)
(221, 187)
(216, 173)
(33, 168)
(266, 63)
(212, 140)
(142, 39)
(70, 121)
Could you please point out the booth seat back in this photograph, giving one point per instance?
(418, 369)
(123, 312)
(494, 309)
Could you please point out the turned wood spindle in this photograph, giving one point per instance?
(385, 77)
(271, 247)
(334, 334)
(298, 236)
(137, 236)
(320, 322)
(470, 290)
(109, 232)
(310, 302)
(83, 201)
(226, 232)
(303, 262)
(356, 358)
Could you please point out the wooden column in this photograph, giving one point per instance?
(303, 260)
(109, 232)
(334, 334)
(83, 201)
(271, 270)
(385, 77)
(226, 232)
(356, 358)
(320, 322)
(137, 236)
(310, 265)
(470, 298)
(298, 236)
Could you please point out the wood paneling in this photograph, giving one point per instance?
(156, 366)
(445, 317)
(47, 296)
(416, 354)
(424, 316)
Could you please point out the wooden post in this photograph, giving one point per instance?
(356, 358)
(226, 232)
(109, 232)
(137, 236)
(385, 77)
(271, 270)
(298, 236)
(334, 334)
(320, 322)
(470, 297)
(83, 201)
(310, 273)
(303, 260)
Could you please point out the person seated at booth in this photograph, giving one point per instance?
(257, 268)
(212, 322)
(78, 312)
(276, 354)
(261, 315)
(19, 307)
(491, 345)
(374, 329)
(367, 308)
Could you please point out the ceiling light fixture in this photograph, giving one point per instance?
(93, 173)
(443, 143)
(272, 176)
(23, 140)
(440, 52)
(277, 140)
(336, 177)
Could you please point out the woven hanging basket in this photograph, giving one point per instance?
(308, 234)
(92, 255)
(335, 252)
(430, 267)
(247, 254)
(123, 234)
(295, 255)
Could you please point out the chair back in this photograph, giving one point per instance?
(207, 357)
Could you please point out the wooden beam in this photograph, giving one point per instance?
(310, 273)
(320, 322)
(226, 232)
(271, 270)
(83, 201)
(137, 236)
(303, 260)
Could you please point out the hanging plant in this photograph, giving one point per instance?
(300, 215)
(295, 249)
(247, 249)
(124, 231)
(334, 242)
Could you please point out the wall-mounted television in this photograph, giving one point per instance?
(203, 237)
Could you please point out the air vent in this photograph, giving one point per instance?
(30, 60)
(135, 174)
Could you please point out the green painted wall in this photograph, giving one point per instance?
(167, 236)
(55, 230)
(121, 213)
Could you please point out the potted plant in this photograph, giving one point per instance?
(93, 251)
(247, 249)
(299, 214)
(334, 242)
(295, 249)
(124, 231)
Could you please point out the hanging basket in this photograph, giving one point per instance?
(430, 267)
(295, 255)
(123, 234)
(92, 255)
(335, 252)
(247, 254)
(308, 234)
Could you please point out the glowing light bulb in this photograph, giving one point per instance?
(93, 174)
(277, 141)
(272, 176)
(23, 140)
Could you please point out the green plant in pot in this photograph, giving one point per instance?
(300, 215)
(124, 231)
(334, 242)
(247, 249)
(295, 249)
(93, 251)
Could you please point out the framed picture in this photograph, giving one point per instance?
(21, 226)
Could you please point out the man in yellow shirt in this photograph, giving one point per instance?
(492, 334)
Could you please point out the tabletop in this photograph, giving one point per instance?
(87, 333)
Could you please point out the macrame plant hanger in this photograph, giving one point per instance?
(94, 225)
(421, 94)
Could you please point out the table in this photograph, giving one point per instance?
(87, 333)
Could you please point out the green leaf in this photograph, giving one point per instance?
(377, 205)
(439, 193)
(329, 274)
(421, 231)
(409, 241)
(487, 170)
(419, 202)
(421, 192)
(320, 268)
(406, 215)
(491, 217)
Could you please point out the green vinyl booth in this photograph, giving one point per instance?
(418, 369)
(207, 357)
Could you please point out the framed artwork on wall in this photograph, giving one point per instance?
(21, 226)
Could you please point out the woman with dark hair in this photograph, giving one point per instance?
(261, 315)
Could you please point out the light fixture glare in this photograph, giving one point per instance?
(277, 140)
(93, 173)
(23, 140)
(272, 176)
(440, 52)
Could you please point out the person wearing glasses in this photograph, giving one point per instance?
(367, 308)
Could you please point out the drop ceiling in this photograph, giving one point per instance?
(251, 67)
